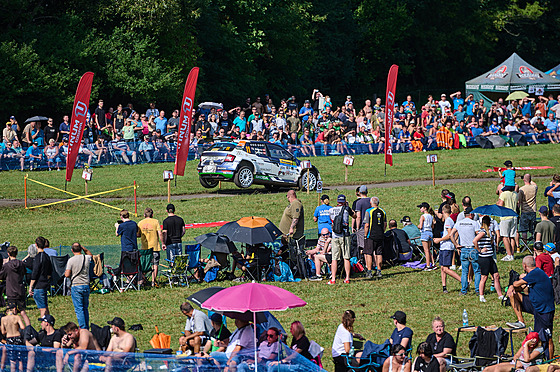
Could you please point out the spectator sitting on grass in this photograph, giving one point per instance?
(398, 361)
(441, 342)
(401, 334)
(425, 361)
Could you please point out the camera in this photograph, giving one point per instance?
(119, 221)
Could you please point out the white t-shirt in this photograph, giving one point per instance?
(467, 229)
(428, 220)
(447, 245)
(342, 335)
(199, 322)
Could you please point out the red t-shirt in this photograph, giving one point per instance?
(544, 262)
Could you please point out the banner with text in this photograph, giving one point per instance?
(77, 125)
(184, 133)
(390, 112)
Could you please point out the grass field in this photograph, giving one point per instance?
(467, 163)
(417, 293)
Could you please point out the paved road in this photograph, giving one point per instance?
(234, 192)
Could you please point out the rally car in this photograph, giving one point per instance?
(254, 162)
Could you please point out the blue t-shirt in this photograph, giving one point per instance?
(397, 336)
(241, 123)
(129, 240)
(457, 102)
(323, 217)
(551, 124)
(33, 151)
(161, 124)
(476, 131)
(307, 110)
(541, 293)
(509, 177)
(469, 106)
(494, 128)
(526, 108)
(460, 115)
(555, 199)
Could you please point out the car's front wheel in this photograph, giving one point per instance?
(208, 183)
(312, 180)
(243, 177)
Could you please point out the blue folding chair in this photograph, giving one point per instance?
(193, 251)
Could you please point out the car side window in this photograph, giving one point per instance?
(258, 149)
(279, 153)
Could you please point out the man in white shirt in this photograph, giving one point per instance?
(197, 329)
(467, 228)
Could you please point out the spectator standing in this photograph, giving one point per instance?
(484, 244)
(362, 205)
(555, 219)
(51, 132)
(322, 215)
(446, 248)
(128, 231)
(341, 239)
(426, 224)
(552, 192)
(152, 110)
(40, 276)
(149, 231)
(508, 225)
(64, 128)
(13, 272)
(544, 231)
(292, 222)
(375, 224)
(543, 260)
(172, 232)
(77, 269)
(161, 122)
(467, 228)
(118, 119)
(527, 206)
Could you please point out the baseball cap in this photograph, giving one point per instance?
(325, 197)
(117, 322)
(216, 318)
(170, 207)
(423, 205)
(306, 101)
(549, 247)
(341, 198)
(543, 209)
(443, 95)
(399, 316)
(508, 163)
(363, 189)
(406, 219)
(47, 318)
(12, 117)
(468, 210)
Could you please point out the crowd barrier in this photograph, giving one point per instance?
(27, 358)
(90, 158)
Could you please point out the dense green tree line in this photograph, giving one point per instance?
(142, 50)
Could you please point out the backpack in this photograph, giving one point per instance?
(338, 222)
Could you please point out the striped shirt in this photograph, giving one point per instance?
(486, 242)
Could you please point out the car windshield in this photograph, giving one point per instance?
(223, 146)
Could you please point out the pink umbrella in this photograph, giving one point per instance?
(253, 297)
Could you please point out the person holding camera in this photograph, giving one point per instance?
(128, 231)
(340, 217)
(77, 269)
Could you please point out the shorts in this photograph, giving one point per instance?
(542, 321)
(487, 266)
(40, 297)
(426, 236)
(372, 247)
(508, 228)
(341, 248)
(155, 258)
(328, 257)
(527, 222)
(446, 258)
(361, 236)
(18, 302)
(508, 188)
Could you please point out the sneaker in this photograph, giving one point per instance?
(463, 293)
(428, 268)
(346, 281)
(445, 290)
(378, 274)
(500, 298)
(315, 278)
(517, 324)
(508, 258)
(369, 274)
(453, 267)
(330, 282)
(482, 299)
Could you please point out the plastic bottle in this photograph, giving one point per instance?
(465, 318)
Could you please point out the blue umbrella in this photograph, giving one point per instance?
(495, 210)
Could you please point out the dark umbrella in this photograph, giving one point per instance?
(36, 118)
(216, 243)
(204, 294)
(250, 230)
(495, 210)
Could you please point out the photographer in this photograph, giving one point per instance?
(77, 270)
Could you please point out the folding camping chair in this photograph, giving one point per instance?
(129, 268)
(482, 356)
(373, 361)
(193, 251)
(58, 280)
(96, 281)
(146, 258)
(178, 270)
(297, 256)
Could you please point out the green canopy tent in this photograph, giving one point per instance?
(514, 74)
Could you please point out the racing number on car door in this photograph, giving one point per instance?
(284, 161)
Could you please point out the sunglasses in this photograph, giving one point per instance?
(270, 335)
(400, 354)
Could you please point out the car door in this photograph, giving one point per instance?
(285, 163)
(259, 157)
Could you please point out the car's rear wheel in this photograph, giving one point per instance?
(312, 180)
(208, 183)
(243, 177)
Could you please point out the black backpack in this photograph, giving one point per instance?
(338, 222)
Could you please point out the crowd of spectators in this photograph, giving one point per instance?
(313, 127)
